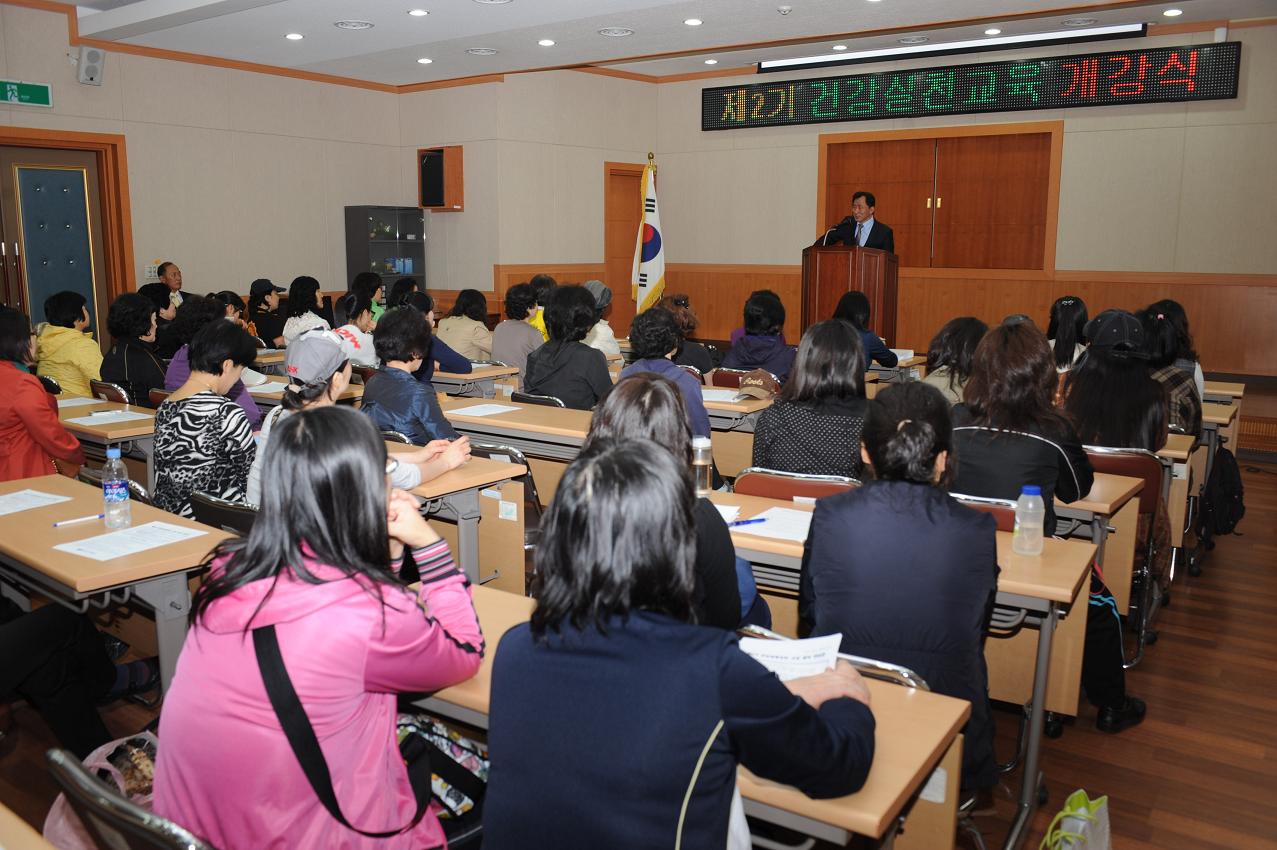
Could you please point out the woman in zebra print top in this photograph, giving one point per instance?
(202, 439)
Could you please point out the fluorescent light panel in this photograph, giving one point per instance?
(951, 46)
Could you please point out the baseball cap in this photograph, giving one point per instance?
(1115, 329)
(262, 286)
(759, 384)
(602, 295)
(314, 356)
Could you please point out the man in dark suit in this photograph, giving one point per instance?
(860, 228)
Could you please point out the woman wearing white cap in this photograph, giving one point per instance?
(601, 335)
(318, 373)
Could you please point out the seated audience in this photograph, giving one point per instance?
(131, 363)
(263, 312)
(400, 290)
(305, 302)
(65, 349)
(193, 316)
(1008, 434)
(949, 356)
(318, 368)
(1174, 364)
(369, 284)
(514, 339)
(601, 335)
(32, 439)
(158, 294)
(763, 345)
(903, 571)
(393, 398)
(356, 334)
(854, 307)
(654, 339)
(814, 425)
(235, 309)
(690, 353)
(439, 355)
(465, 328)
(611, 646)
(543, 285)
(1064, 331)
(565, 367)
(646, 406)
(736, 334)
(203, 440)
(317, 576)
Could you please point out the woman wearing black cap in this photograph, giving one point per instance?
(263, 312)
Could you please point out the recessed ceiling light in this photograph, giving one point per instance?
(1080, 22)
(993, 31)
(418, 13)
(424, 61)
(693, 22)
(711, 61)
(840, 47)
(492, 2)
(353, 25)
(481, 51)
(616, 32)
(913, 39)
(1173, 13)
(294, 36)
(546, 42)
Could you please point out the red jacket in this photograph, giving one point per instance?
(31, 437)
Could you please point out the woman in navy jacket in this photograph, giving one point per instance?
(393, 398)
(905, 572)
(642, 716)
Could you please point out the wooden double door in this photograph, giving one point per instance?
(956, 202)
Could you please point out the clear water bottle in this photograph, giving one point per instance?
(1030, 517)
(703, 465)
(115, 490)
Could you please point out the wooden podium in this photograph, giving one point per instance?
(831, 271)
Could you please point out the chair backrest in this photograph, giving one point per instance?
(531, 499)
(93, 477)
(715, 356)
(223, 514)
(1135, 463)
(1002, 510)
(775, 484)
(693, 371)
(532, 398)
(158, 396)
(871, 667)
(365, 373)
(108, 391)
(51, 386)
(396, 437)
(489, 363)
(111, 820)
(721, 377)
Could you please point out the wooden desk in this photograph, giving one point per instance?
(1182, 449)
(17, 834)
(455, 496)
(1111, 501)
(1178, 447)
(136, 434)
(270, 360)
(1227, 392)
(534, 429)
(914, 729)
(479, 383)
(912, 369)
(266, 401)
(1217, 420)
(734, 415)
(156, 576)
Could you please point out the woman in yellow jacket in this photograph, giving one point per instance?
(64, 351)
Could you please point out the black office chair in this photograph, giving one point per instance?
(533, 398)
(108, 391)
(397, 437)
(158, 396)
(531, 503)
(93, 477)
(223, 514)
(51, 386)
(114, 822)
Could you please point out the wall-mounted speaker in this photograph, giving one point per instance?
(90, 65)
(441, 179)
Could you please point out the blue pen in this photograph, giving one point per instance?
(740, 522)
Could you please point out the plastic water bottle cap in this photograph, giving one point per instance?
(1031, 490)
(701, 443)
(113, 453)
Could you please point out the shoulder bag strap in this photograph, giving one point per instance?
(301, 736)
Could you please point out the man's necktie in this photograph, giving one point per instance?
(857, 236)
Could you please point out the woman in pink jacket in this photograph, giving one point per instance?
(318, 568)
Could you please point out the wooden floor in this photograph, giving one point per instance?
(1199, 773)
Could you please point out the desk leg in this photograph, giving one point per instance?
(466, 506)
(146, 445)
(170, 598)
(1032, 777)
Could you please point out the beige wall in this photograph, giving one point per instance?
(1163, 187)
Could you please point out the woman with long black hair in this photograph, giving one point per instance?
(1064, 331)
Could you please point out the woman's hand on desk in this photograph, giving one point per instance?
(842, 681)
(406, 525)
(452, 453)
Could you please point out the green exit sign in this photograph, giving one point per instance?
(27, 94)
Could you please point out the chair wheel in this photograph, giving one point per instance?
(1053, 728)
(1150, 638)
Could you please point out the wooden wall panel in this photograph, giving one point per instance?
(718, 294)
(900, 175)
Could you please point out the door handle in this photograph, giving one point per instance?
(928, 202)
(939, 201)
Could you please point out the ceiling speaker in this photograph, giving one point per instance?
(90, 65)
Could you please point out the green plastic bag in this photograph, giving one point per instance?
(1083, 824)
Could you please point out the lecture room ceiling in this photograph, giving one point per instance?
(511, 35)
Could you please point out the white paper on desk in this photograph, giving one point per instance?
(25, 500)
(781, 524)
(485, 409)
(793, 659)
(728, 512)
(109, 417)
(269, 387)
(77, 402)
(902, 353)
(715, 394)
(129, 541)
